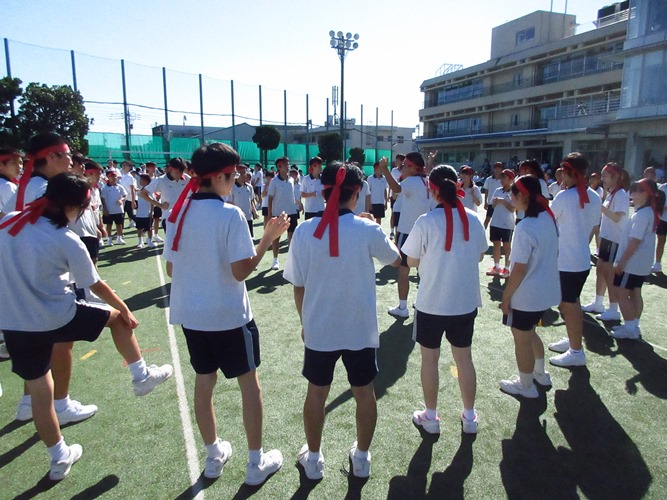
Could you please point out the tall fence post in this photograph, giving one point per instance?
(260, 105)
(9, 74)
(201, 109)
(361, 141)
(233, 118)
(377, 133)
(307, 132)
(76, 88)
(326, 123)
(285, 127)
(166, 137)
(126, 114)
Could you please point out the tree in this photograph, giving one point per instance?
(56, 108)
(331, 146)
(357, 155)
(267, 139)
(10, 90)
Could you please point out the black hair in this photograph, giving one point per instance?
(145, 177)
(658, 193)
(10, 151)
(401, 157)
(416, 158)
(92, 165)
(151, 164)
(42, 141)
(354, 177)
(533, 167)
(578, 161)
(179, 163)
(64, 191)
(77, 157)
(212, 158)
(532, 185)
(444, 178)
(315, 159)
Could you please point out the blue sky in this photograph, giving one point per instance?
(278, 44)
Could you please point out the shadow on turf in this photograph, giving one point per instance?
(98, 489)
(149, 298)
(396, 344)
(19, 449)
(119, 254)
(266, 281)
(651, 367)
(194, 490)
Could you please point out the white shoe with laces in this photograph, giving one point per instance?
(569, 358)
(276, 265)
(23, 411)
(432, 426)
(215, 465)
(269, 463)
(469, 426)
(656, 267)
(398, 312)
(515, 387)
(544, 379)
(156, 376)
(314, 469)
(609, 315)
(561, 345)
(60, 469)
(75, 412)
(361, 467)
(623, 332)
(593, 307)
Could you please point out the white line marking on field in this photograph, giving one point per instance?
(184, 409)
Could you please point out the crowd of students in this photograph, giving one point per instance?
(59, 211)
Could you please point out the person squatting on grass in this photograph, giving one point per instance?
(443, 245)
(43, 251)
(533, 285)
(576, 209)
(636, 254)
(330, 264)
(209, 254)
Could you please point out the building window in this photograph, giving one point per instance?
(525, 35)
(460, 92)
(400, 139)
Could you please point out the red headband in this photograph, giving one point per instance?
(653, 199)
(9, 156)
(191, 187)
(540, 199)
(330, 216)
(580, 180)
(508, 173)
(31, 214)
(449, 230)
(28, 165)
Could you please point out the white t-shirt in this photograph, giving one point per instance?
(143, 207)
(111, 195)
(36, 187)
(640, 228)
(257, 178)
(128, 181)
(7, 190)
(242, 197)
(554, 189)
(502, 217)
(663, 215)
(416, 202)
(490, 186)
(312, 204)
(535, 243)
(204, 293)
(86, 225)
(378, 187)
(615, 231)
(396, 174)
(361, 201)
(35, 295)
(282, 192)
(339, 304)
(575, 225)
(468, 200)
(169, 190)
(449, 283)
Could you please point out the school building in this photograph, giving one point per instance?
(548, 89)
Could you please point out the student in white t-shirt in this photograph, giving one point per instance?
(113, 204)
(265, 197)
(634, 263)
(661, 233)
(128, 181)
(282, 199)
(330, 264)
(243, 196)
(209, 255)
(44, 253)
(556, 186)
(491, 183)
(416, 200)
(363, 200)
(595, 183)
(532, 168)
(444, 245)
(257, 182)
(11, 161)
(577, 210)
(613, 224)
(395, 199)
(502, 224)
(143, 216)
(311, 190)
(473, 195)
(379, 193)
(533, 285)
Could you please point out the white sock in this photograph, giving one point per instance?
(526, 379)
(59, 451)
(469, 414)
(138, 369)
(61, 404)
(613, 306)
(213, 450)
(631, 325)
(403, 304)
(599, 300)
(314, 456)
(576, 351)
(539, 366)
(255, 456)
(26, 400)
(360, 454)
(149, 241)
(431, 414)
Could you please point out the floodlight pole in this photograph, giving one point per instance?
(343, 44)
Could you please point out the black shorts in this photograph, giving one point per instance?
(265, 211)
(571, 285)
(397, 218)
(428, 329)
(31, 351)
(234, 352)
(143, 223)
(391, 203)
(525, 321)
(310, 215)
(293, 221)
(489, 211)
(361, 366)
(516, 221)
(92, 245)
(252, 231)
(157, 213)
(662, 228)
(608, 250)
(628, 281)
(377, 209)
(113, 218)
(400, 239)
(500, 234)
(257, 190)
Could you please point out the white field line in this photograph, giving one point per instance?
(184, 409)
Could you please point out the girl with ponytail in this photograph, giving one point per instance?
(441, 245)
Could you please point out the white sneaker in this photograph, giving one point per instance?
(23, 411)
(109, 242)
(156, 376)
(593, 307)
(469, 426)
(151, 244)
(623, 332)
(141, 245)
(158, 239)
(656, 267)
(515, 387)
(75, 412)
(276, 265)
(544, 379)
(132, 224)
(214, 466)
(398, 312)
(561, 345)
(608, 315)
(569, 358)
(432, 426)
(4, 353)
(60, 469)
(256, 474)
(314, 469)
(361, 467)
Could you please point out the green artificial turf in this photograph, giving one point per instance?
(598, 433)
